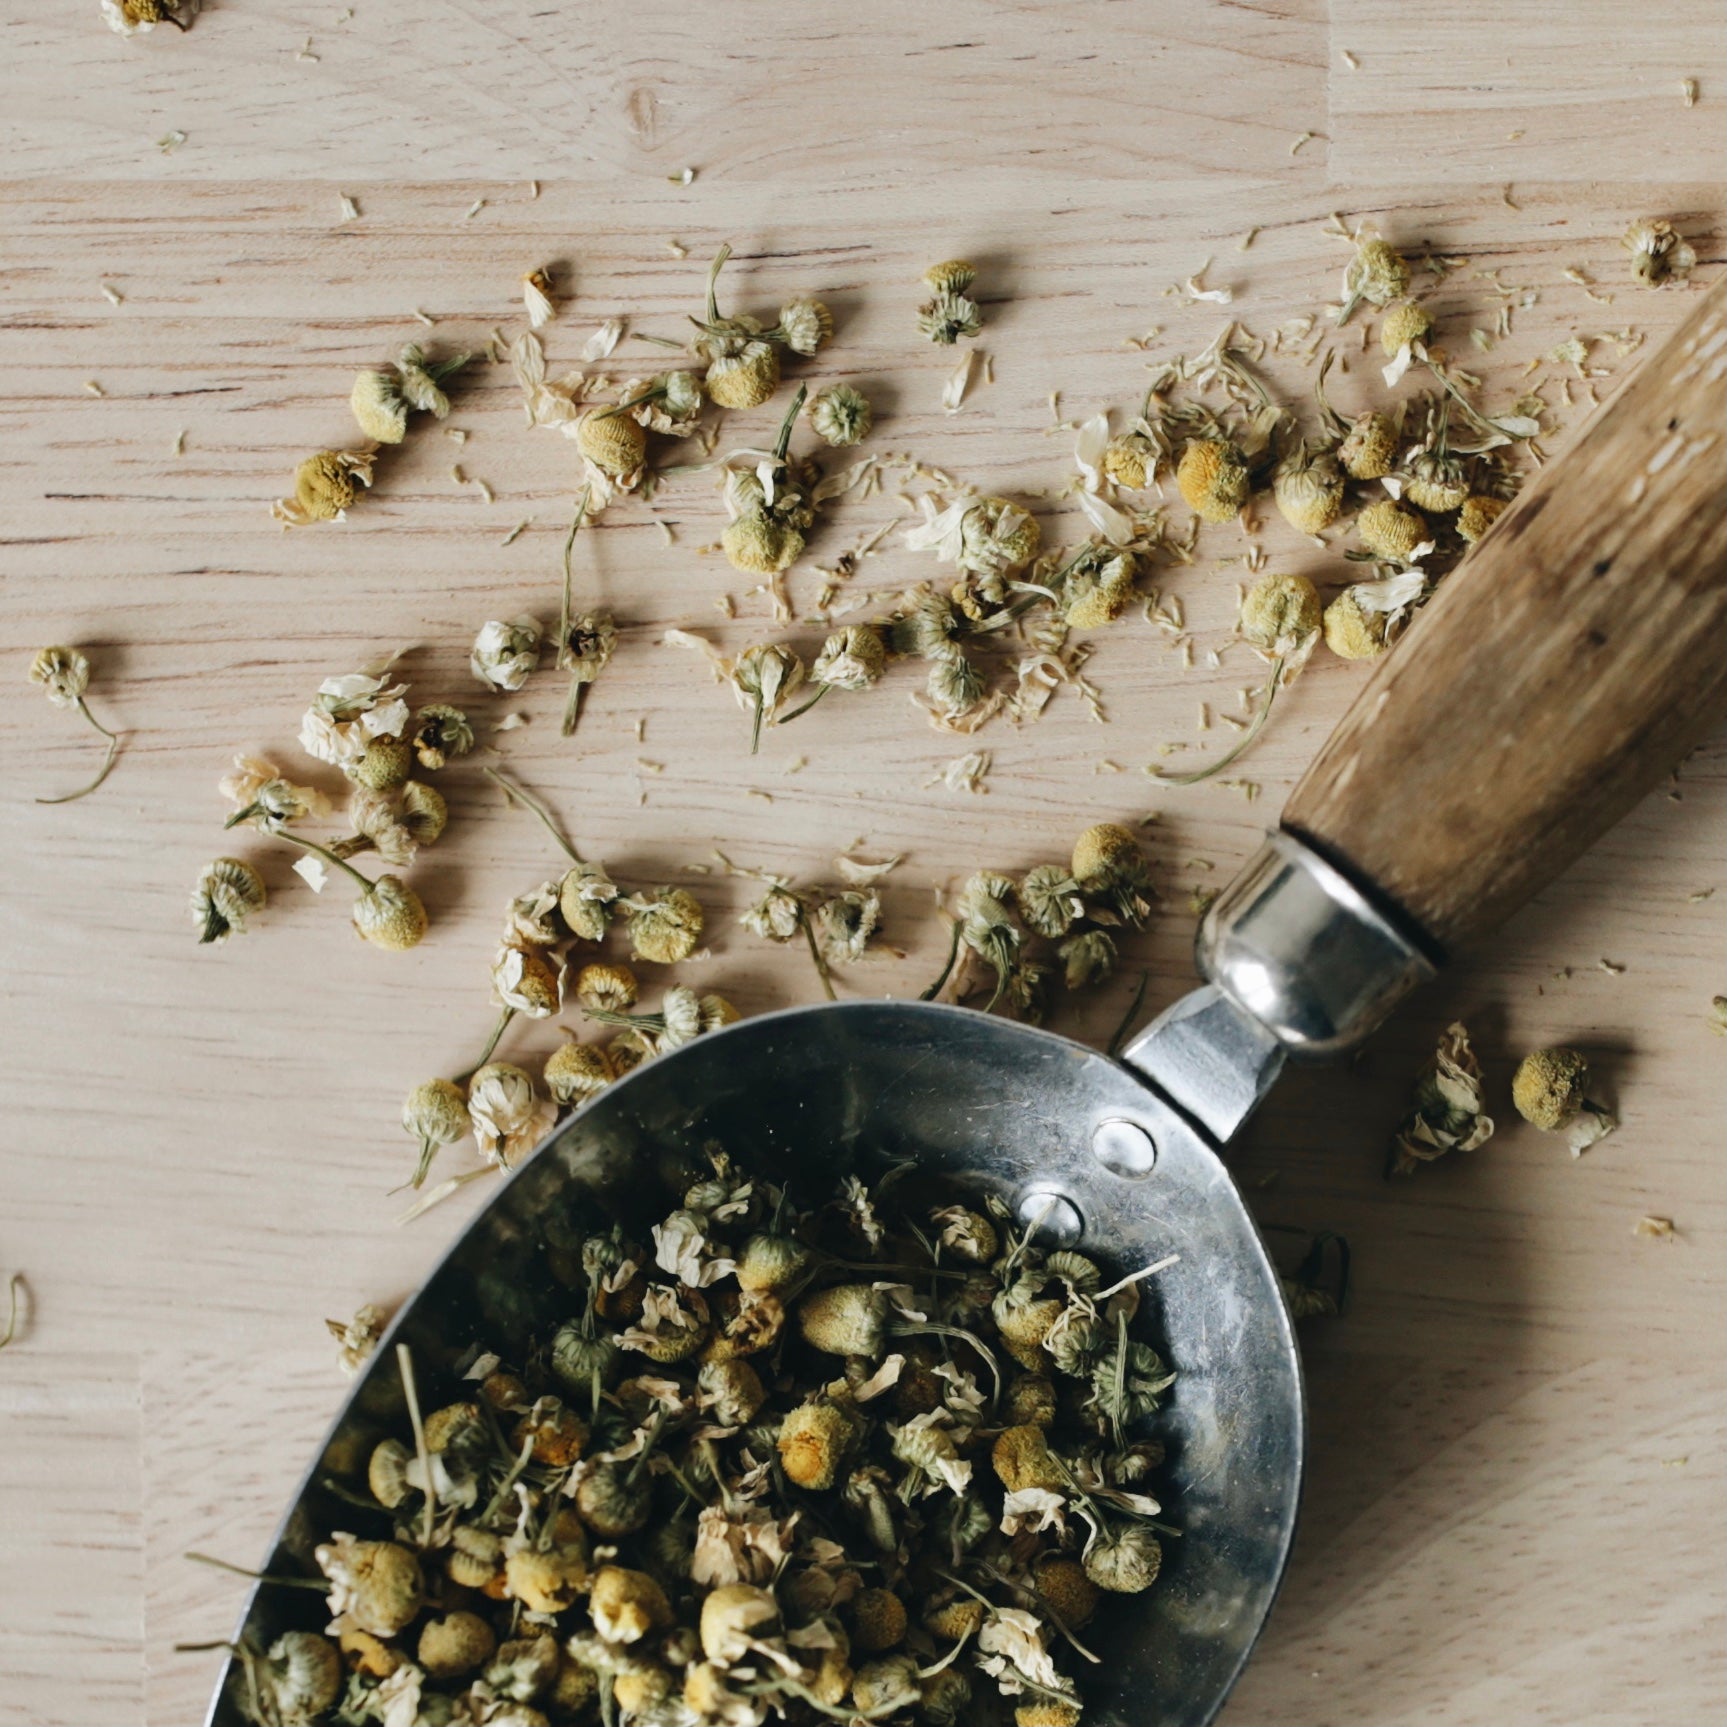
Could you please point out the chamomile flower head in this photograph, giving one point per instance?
(1281, 613)
(1436, 481)
(1308, 490)
(1406, 324)
(813, 1442)
(1550, 1087)
(852, 658)
(1352, 631)
(613, 442)
(953, 276)
(261, 794)
(586, 896)
(575, 1071)
(436, 1113)
(1369, 448)
(347, 713)
(1378, 274)
(665, 925)
(380, 408)
(1390, 531)
(608, 987)
(760, 544)
(528, 979)
(1130, 460)
(509, 1117)
(385, 764)
(1476, 514)
(947, 317)
(505, 652)
(744, 379)
(375, 1586)
(395, 824)
(805, 326)
(840, 415)
(63, 673)
(389, 914)
(1659, 253)
(228, 891)
(325, 487)
(1213, 478)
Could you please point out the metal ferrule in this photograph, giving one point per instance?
(1297, 945)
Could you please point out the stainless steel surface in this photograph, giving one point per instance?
(1000, 1107)
(1302, 950)
(1212, 1058)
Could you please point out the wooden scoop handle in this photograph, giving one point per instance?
(1570, 661)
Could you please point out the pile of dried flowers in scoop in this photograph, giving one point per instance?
(879, 1460)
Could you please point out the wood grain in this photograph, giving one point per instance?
(1568, 664)
(199, 1144)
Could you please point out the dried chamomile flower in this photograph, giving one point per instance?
(504, 653)
(814, 1441)
(1391, 532)
(1366, 616)
(358, 1336)
(759, 545)
(986, 925)
(668, 402)
(614, 445)
(805, 326)
(140, 17)
(64, 675)
(348, 713)
(840, 415)
(608, 988)
(1125, 1561)
(931, 629)
(509, 1118)
(1131, 460)
(440, 732)
(436, 1114)
(762, 678)
(770, 506)
(743, 364)
(1445, 1109)
(626, 1605)
(586, 896)
(1436, 480)
(375, 1586)
(380, 408)
(533, 919)
(1281, 614)
(1353, 631)
(1308, 489)
(537, 301)
(1097, 587)
(1477, 514)
(394, 824)
(852, 658)
(325, 485)
(885, 1686)
(1658, 252)
(1049, 901)
(386, 764)
(954, 685)
(980, 536)
(1213, 478)
(1087, 958)
(951, 313)
(1550, 1091)
(1369, 447)
(665, 925)
(848, 1319)
(228, 892)
(528, 979)
(1403, 333)
(1108, 864)
(1378, 274)
(389, 914)
(576, 1071)
(845, 924)
(585, 650)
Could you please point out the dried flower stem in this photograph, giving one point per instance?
(405, 1362)
(504, 1019)
(517, 794)
(816, 954)
(258, 1576)
(1243, 743)
(107, 761)
(329, 856)
(935, 988)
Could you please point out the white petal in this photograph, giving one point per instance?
(313, 872)
(1088, 448)
(1113, 524)
(600, 344)
(1401, 364)
(953, 391)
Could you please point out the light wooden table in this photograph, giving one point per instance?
(1516, 1500)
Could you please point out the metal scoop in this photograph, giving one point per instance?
(1570, 662)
